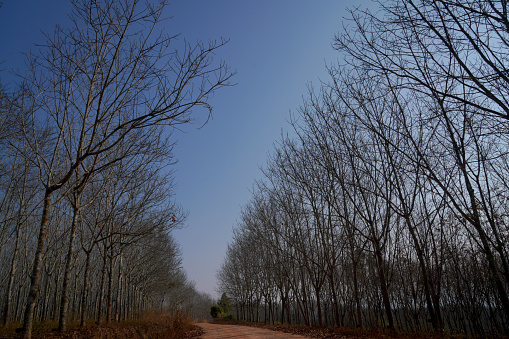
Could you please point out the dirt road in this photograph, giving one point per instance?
(214, 331)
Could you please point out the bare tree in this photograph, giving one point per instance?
(102, 83)
(445, 65)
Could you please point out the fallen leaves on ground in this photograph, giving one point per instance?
(149, 326)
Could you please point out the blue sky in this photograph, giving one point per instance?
(277, 47)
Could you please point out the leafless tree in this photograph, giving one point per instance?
(448, 59)
(398, 164)
(101, 84)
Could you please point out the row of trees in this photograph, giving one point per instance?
(84, 153)
(388, 206)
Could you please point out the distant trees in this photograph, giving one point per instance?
(85, 145)
(388, 207)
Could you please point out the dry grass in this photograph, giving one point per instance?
(151, 325)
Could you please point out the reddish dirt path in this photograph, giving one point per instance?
(214, 331)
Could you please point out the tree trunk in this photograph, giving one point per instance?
(101, 290)
(356, 295)
(12, 272)
(435, 322)
(119, 290)
(335, 302)
(45, 304)
(283, 305)
(34, 279)
(110, 288)
(84, 294)
(64, 302)
(383, 286)
(54, 304)
(319, 307)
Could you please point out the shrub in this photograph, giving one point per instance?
(216, 312)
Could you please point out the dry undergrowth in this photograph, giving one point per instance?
(151, 325)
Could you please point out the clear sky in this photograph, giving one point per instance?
(277, 47)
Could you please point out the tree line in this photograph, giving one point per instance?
(387, 204)
(86, 185)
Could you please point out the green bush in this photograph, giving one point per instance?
(216, 312)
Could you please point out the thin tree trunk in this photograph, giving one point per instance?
(18, 305)
(64, 302)
(356, 295)
(75, 295)
(54, 304)
(110, 288)
(436, 323)
(84, 295)
(34, 279)
(12, 272)
(383, 287)
(283, 304)
(125, 298)
(119, 290)
(305, 309)
(319, 307)
(45, 304)
(101, 290)
(335, 302)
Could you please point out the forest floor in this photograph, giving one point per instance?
(149, 326)
(158, 325)
(343, 332)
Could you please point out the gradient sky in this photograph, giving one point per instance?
(277, 47)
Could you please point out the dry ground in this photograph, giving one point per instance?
(215, 331)
(153, 325)
(336, 333)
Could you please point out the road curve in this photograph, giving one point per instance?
(214, 331)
